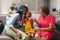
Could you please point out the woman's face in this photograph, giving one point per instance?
(24, 10)
(42, 13)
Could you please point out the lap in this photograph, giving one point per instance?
(14, 35)
(44, 35)
(10, 32)
(22, 33)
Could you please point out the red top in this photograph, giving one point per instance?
(44, 23)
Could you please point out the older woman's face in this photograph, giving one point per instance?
(42, 13)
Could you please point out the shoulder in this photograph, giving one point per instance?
(52, 18)
(31, 19)
(51, 15)
(15, 15)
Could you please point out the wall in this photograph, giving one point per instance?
(5, 6)
(33, 5)
(40, 3)
(55, 4)
(58, 5)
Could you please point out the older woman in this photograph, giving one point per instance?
(46, 22)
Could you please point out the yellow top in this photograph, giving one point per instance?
(28, 27)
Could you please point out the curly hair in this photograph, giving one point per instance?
(45, 10)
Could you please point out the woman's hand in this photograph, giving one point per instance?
(23, 17)
(19, 34)
(36, 21)
(37, 29)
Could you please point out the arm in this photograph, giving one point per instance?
(14, 29)
(37, 23)
(31, 20)
(17, 32)
(22, 22)
(51, 25)
(32, 24)
(23, 19)
(12, 21)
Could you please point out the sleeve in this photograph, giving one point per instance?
(13, 19)
(52, 20)
(24, 21)
(31, 19)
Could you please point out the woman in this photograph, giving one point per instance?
(46, 22)
(14, 28)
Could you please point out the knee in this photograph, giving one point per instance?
(43, 38)
(37, 36)
(32, 35)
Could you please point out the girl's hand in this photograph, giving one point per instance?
(20, 23)
(31, 19)
(22, 16)
(34, 20)
(37, 29)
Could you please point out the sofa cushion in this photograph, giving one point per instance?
(57, 23)
(5, 38)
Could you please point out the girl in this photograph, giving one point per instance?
(28, 25)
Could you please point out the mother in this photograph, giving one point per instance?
(46, 24)
(14, 28)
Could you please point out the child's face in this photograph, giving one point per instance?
(28, 14)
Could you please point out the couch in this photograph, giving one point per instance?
(3, 36)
